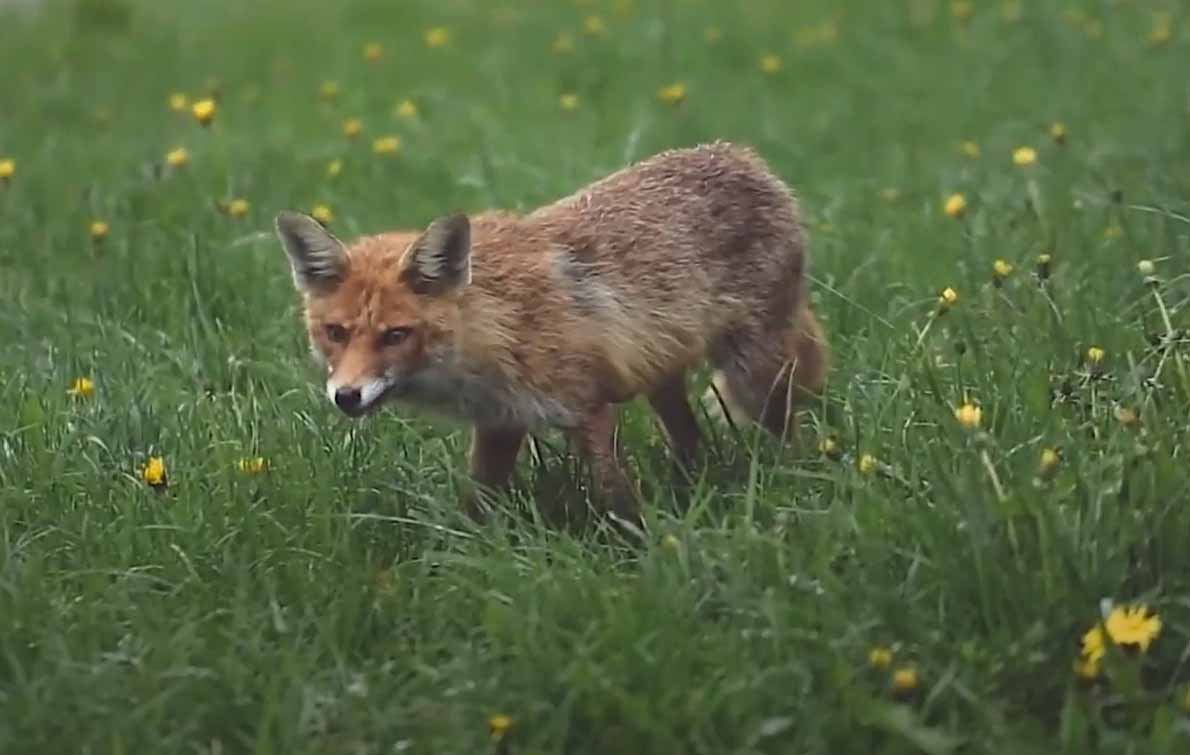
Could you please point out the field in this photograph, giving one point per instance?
(979, 544)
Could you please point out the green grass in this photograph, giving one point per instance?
(340, 603)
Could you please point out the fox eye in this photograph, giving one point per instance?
(394, 336)
(336, 333)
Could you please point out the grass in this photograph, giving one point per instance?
(338, 602)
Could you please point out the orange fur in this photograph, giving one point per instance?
(548, 319)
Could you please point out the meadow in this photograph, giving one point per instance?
(979, 545)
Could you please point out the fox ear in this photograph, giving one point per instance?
(317, 258)
(440, 259)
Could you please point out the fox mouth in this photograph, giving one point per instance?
(360, 402)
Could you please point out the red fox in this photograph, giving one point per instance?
(516, 323)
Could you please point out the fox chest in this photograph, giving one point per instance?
(483, 400)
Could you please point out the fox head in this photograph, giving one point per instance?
(383, 312)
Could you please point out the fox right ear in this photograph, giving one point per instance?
(318, 258)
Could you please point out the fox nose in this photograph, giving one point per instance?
(348, 399)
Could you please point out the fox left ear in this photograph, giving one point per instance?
(317, 257)
(440, 259)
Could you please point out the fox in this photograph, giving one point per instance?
(522, 322)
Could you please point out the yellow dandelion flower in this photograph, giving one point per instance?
(204, 111)
(406, 110)
(152, 472)
(386, 145)
(1043, 265)
(770, 64)
(712, 34)
(1024, 156)
(178, 102)
(568, 102)
(328, 90)
(178, 157)
(947, 298)
(82, 387)
(563, 44)
(880, 658)
(1058, 132)
(98, 230)
(322, 214)
(499, 724)
(962, 10)
(1162, 31)
(1086, 667)
(373, 51)
(334, 168)
(671, 542)
(867, 464)
(252, 465)
(829, 448)
(352, 127)
(1095, 355)
(1126, 416)
(968, 416)
(1113, 231)
(594, 26)
(890, 194)
(904, 679)
(8, 168)
(1048, 463)
(238, 207)
(674, 94)
(1126, 625)
(955, 205)
(437, 36)
(1001, 269)
(970, 149)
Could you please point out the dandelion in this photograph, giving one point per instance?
(152, 472)
(1113, 231)
(1000, 270)
(238, 207)
(568, 102)
(671, 542)
(563, 44)
(328, 91)
(674, 94)
(1058, 132)
(352, 127)
(1043, 265)
(178, 102)
(829, 447)
(406, 110)
(1126, 416)
(770, 64)
(968, 416)
(962, 10)
(322, 214)
(970, 149)
(1162, 30)
(1024, 156)
(1146, 268)
(82, 387)
(252, 465)
(712, 34)
(1095, 356)
(947, 298)
(98, 230)
(373, 51)
(334, 168)
(437, 36)
(386, 145)
(904, 680)
(867, 464)
(1048, 463)
(955, 205)
(204, 111)
(880, 658)
(1130, 626)
(1012, 10)
(498, 725)
(178, 157)
(890, 194)
(594, 26)
(8, 167)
